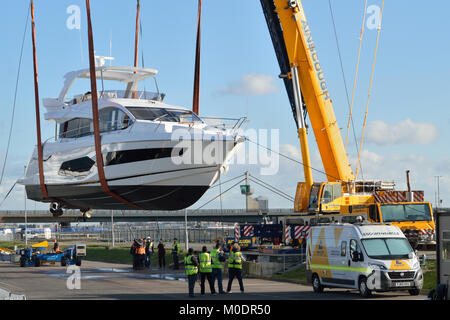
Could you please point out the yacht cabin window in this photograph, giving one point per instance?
(112, 119)
(163, 114)
(75, 128)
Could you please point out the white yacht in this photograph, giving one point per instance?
(157, 156)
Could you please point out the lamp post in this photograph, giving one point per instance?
(186, 230)
(25, 204)
(112, 229)
(438, 205)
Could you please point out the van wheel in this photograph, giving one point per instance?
(364, 291)
(414, 292)
(317, 287)
(37, 262)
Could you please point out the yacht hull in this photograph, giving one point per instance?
(175, 197)
(154, 184)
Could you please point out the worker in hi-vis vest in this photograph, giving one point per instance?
(149, 249)
(235, 267)
(140, 252)
(175, 251)
(206, 271)
(217, 258)
(191, 268)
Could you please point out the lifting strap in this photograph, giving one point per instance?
(36, 97)
(136, 42)
(95, 117)
(38, 121)
(196, 98)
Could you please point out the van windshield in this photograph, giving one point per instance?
(387, 249)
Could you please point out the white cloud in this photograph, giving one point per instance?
(251, 84)
(393, 166)
(291, 151)
(403, 132)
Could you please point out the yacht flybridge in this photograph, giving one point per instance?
(156, 156)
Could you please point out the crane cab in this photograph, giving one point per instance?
(328, 197)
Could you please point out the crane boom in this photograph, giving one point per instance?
(342, 196)
(300, 53)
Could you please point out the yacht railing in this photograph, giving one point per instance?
(233, 124)
(119, 94)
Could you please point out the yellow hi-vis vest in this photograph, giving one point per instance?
(235, 260)
(189, 267)
(178, 248)
(205, 262)
(216, 263)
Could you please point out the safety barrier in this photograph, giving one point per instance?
(7, 295)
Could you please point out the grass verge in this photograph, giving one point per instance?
(122, 255)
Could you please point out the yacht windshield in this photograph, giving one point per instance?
(405, 212)
(162, 114)
(387, 249)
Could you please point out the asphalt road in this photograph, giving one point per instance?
(106, 281)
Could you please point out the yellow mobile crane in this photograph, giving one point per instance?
(342, 197)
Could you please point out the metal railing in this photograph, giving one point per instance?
(233, 124)
(195, 235)
(119, 94)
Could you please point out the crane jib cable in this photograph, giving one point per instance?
(8, 193)
(234, 185)
(265, 183)
(15, 98)
(370, 90)
(350, 105)
(274, 190)
(287, 198)
(292, 159)
(350, 118)
(229, 180)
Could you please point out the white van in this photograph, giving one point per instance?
(367, 257)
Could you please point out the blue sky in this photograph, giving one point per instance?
(408, 116)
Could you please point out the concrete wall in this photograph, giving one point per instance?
(258, 269)
(263, 269)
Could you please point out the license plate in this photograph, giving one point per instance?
(403, 284)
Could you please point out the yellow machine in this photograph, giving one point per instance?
(305, 84)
